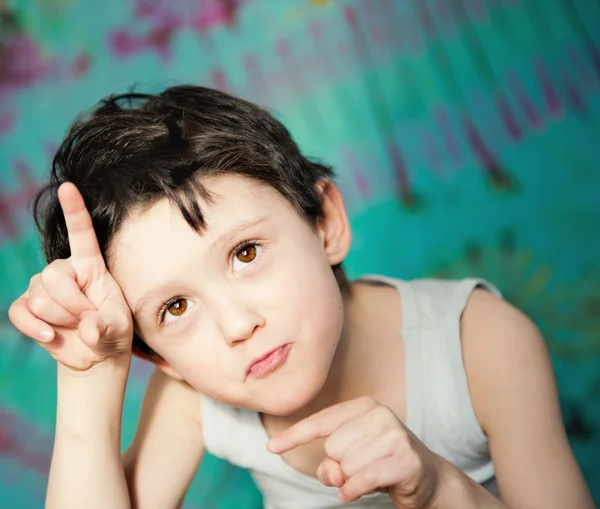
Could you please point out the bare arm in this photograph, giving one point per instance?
(515, 398)
(76, 311)
(168, 446)
(86, 468)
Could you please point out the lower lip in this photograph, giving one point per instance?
(269, 363)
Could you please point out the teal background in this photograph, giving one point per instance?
(464, 133)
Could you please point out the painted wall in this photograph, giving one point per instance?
(463, 132)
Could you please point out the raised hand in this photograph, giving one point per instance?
(367, 449)
(74, 308)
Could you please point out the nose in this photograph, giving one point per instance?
(237, 320)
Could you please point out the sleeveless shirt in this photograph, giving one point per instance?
(439, 410)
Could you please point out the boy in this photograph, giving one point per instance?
(188, 228)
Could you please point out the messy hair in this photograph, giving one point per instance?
(135, 149)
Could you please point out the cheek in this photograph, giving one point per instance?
(207, 370)
(327, 308)
(314, 298)
(197, 355)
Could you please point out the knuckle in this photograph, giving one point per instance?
(347, 467)
(330, 448)
(34, 281)
(383, 413)
(397, 436)
(369, 477)
(54, 272)
(368, 402)
(38, 305)
(413, 463)
(13, 312)
(49, 275)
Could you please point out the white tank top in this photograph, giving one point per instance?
(438, 404)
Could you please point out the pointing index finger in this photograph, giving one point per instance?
(82, 237)
(319, 425)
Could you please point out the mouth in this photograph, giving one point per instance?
(269, 362)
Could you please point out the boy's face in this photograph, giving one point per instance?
(257, 279)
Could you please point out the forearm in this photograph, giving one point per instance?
(86, 466)
(458, 491)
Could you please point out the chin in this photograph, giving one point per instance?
(291, 398)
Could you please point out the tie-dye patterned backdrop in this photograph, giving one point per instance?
(463, 132)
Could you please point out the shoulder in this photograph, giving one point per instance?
(502, 350)
(168, 395)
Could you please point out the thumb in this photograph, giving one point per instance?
(91, 329)
(330, 473)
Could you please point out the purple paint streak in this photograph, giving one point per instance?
(218, 79)
(594, 56)
(23, 443)
(574, 96)
(432, 153)
(359, 179)
(400, 172)
(548, 89)
(478, 10)
(124, 45)
(484, 155)
(22, 63)
(200, 15)
(80, 65)
(11, 205)
(509, 120)
(584, 75)
(7, 120)
(448, 135)
(258, 87)
(167, 18)
(527, 107)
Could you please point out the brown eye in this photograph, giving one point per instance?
(246, 254)
(178, 307)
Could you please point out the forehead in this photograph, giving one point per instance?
(234, 200)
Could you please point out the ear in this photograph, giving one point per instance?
(333, 228)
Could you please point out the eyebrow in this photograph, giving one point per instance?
(168, 287)
(150, 295)
(236, 230)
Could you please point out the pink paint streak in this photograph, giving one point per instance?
(80, 66)
(509, 120)
(484, 155)
(532, 116)
(478, 9)
(20, 441)
(584, 74)
(258, 87)
(448, 135)
(400, 172)
(432, 153)
(7, 120)
(551, 98)
(22, 63)
(358, 177)
(574, 96)
(13, 205)
(218, 79)
(595, 57)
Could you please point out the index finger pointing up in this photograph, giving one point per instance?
(82, 237)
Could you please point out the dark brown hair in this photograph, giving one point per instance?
(135, 149)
